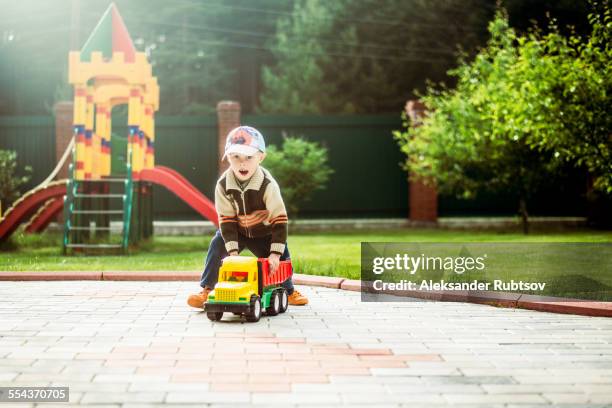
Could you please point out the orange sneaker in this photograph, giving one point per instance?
(297, 299)
(198, 300)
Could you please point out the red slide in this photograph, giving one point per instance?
(28, 204)
(45, 214)
(183, 189)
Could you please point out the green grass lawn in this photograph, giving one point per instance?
(329, 254)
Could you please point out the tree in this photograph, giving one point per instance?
(301, 168)
(397, 45)
(563, 96)
(469, 140)
(360, 56)
(293, 85)
(186, 57)
(9, 182)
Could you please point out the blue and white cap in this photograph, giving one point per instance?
(244, 140)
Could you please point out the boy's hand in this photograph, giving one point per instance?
(274, 260)
(232, 253)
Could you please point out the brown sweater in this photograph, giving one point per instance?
(256, 211)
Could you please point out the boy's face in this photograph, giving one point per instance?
(245, 166)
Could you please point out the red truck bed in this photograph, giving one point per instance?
(283, 272)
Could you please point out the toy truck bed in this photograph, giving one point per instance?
(282, 273)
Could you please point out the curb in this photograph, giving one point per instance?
(314, 280)
(499, 299)
(50, 275)
(569, 306)
(151, 276)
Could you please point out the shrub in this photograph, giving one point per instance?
(301, 168)
(9, 182)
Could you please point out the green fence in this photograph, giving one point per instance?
(367, 179)
(189, 146)
(361, 150)
(33, 138)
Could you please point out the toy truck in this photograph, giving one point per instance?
(245, 287)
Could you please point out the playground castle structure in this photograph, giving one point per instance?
(106, 73)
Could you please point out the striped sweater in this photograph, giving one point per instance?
(256, 211)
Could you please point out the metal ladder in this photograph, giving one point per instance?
(73, 208)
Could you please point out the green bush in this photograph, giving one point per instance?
(301, 168)
(9, 182)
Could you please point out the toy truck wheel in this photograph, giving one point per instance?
(255, 313)
(214, 316)
(275, 303)
(284, 301)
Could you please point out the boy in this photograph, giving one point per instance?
(251, 213)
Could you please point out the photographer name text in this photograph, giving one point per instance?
(497, 284)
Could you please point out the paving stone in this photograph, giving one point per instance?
(298, 398)
(120, 397)
(111, 378)
(531, 388)
(66, 378)
(207, 397)
(397, 397)
(568, 379)
(566, 398)
(603, 398)
(89, 386)
(493, 398)
(10, 376)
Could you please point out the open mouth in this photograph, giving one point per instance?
(243, 172)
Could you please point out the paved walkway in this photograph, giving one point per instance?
(138, 344)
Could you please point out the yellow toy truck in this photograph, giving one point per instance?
(245, 287)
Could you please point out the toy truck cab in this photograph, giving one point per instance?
(245, 287)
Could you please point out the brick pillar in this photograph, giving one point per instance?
(228, 118)
(423, 199)
(63, 133)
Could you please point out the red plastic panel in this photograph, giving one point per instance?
(27, 207)
(43, 219)
(283, 272)
(183, 189)
(121, 37)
